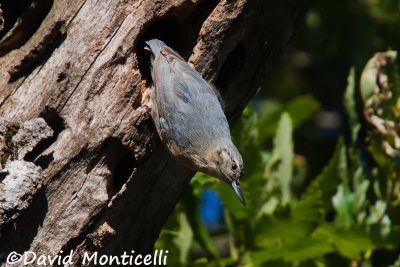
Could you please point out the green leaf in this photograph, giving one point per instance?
(253, 179)
(396, 263)
(394, 212)
(309, 211)
(184, 239)
(300, 109)
(343, 203)
(283, 150)
(246, 137)
(201, 262)
(377, 216)
(350, 243)
(268, 207)
(350, 105)
(285, 239)
(279, 227)
(191, 203)
(203, 179)
(292, 251)
(327, 182)
(385, 165)
(231, 202)
(360, 185)
(384, 237)
(231, 234)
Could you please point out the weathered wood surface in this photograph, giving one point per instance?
(102, 181)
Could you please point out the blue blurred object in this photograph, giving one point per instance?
(211, 209)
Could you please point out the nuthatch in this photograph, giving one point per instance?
(189, 118)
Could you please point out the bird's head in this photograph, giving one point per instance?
(227, 165)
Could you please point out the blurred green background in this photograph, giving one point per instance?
(321, 151)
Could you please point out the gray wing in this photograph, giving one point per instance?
(189, 112)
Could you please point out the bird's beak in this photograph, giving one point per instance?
(238, 192)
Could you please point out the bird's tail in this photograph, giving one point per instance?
(154, 46)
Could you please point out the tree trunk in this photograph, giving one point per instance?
(81, 167)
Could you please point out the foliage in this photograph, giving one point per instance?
(347, 215)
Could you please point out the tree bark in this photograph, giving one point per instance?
(81, 167)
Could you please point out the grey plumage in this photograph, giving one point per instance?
(189, 118)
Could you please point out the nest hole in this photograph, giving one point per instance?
(120, 161)
(179, 29)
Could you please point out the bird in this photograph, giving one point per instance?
(188, 116)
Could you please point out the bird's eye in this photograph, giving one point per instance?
(234, 166)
